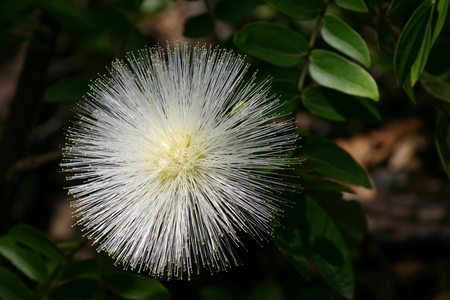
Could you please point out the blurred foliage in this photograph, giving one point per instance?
(319, 55)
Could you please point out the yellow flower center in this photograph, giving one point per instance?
(179, 157)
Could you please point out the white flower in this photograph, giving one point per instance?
(175, 152)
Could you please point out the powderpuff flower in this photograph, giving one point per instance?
(174, 155)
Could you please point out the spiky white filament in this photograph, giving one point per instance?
(174, 151)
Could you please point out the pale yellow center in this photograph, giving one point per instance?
(180, 156)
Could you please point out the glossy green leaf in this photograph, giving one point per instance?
(441, 10)
(67, 89)
(347, 215)
(310, 164)
(289, 241)
(334, 71)
(341, 36)
(311, 182)
(355, 5)
(302, 10)
(198, 26)
(36, 240)
(422, 57)
(11, 288)
(413, 45)
(85, 288)
(336, 106)
(342, 166)
(442, 140)
(28, 262)
(234, 10)
(81, 269)
(278, 45)
(436, 87)
(410, 92)
(70, 15)
(286, 90)
(328, 249)
(135, 287)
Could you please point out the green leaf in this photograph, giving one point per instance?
(442, 140)
(23, 259)
(135, 287)
(67, 89)
(328, 249)
(85, 288)
(342, 166)
(107, 264)
(334, 71)
(286, 90)
(356, 5)
(342, 37)
(81, 269)
(336, 106)
(36, 240)
(311, 182)
(302, 10)
(234, 10)
(413, 45)
(441, 9)
(11, 288)
(198, 26)
(278, 73)
(289, 242)
(422, 57)
(310, 164)
(347, 215)
(278, 45)
(397, 6)
(436, 87)
(70, 15)
(288, 93)
(409, 91)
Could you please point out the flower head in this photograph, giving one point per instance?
(175, 151)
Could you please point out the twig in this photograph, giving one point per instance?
(32, 162)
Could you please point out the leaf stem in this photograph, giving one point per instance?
(42, 289)
(312, 43)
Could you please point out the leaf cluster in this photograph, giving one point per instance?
(56, 275)
(335, 82)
